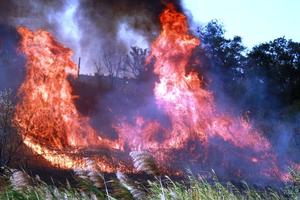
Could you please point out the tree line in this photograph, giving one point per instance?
(262, 79)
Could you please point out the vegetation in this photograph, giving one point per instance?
(10, 141)
(263, 81)
(92, 184)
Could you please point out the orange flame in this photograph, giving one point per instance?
(52, 127)
(182, 97)
(190, 108)
(47, 117)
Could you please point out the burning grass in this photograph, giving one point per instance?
(51, 125)
(93, 184)
(194, 134)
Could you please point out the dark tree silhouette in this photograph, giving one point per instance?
(279, 62)
(10, 141)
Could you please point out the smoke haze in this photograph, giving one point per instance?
(90, 27)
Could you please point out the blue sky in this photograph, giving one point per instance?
(255, 21)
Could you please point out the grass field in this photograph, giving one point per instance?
(92, 184)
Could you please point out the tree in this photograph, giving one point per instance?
(110, 64)
(279, 62)
(135, 61)
(10, 141)
(223, 52)
(98, 68)
(224, 60)
(113, 64)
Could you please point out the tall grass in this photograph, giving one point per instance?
(92, 184)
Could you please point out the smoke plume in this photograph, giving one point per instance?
(90, 27)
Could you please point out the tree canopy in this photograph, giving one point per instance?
(266, 76)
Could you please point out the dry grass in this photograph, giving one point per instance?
(145, 162)
(20, 180)
(132, 186)
(91, 184)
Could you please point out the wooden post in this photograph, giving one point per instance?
(78, 67)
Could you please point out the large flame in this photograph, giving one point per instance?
(190, 108)
(181, 96)
(52, 127)
(47, 117)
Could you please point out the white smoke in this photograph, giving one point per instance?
(130, 37)
(66, 22)
(89, 31)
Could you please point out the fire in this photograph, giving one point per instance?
(181, 96)
(52, 127)
(189, 106)
(47, 117)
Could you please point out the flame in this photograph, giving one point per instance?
(52, 127)
(47, 117)
(190, 107)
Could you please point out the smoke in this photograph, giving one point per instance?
(67, 24)
(11, 62)
(252, 99)
(90, 28)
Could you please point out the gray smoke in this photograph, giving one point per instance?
(90, 27)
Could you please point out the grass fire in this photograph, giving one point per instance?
(190, 115)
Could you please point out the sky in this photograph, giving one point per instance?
(256, 21)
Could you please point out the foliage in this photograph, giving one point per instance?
(263, 82)
(116, 65)
(9, 139)
(91, 184)
(135, 61)
(279, 61)
(248, 77)
(192, 188)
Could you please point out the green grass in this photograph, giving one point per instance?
(201, 189)
(159, 188)
(92, 184)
